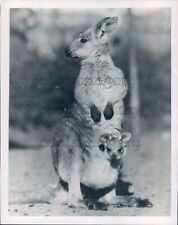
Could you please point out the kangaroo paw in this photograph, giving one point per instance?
(95, 114)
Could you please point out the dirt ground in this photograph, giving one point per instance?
(32, 181)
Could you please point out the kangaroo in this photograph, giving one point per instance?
(100, 87)
(85, 162)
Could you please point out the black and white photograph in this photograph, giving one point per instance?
(89, 123)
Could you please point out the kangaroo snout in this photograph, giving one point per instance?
(68, 52)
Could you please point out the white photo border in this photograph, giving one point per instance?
(5, 48)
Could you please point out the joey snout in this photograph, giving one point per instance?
(115, 161)
(113, 157)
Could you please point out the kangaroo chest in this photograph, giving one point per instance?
(99, 85)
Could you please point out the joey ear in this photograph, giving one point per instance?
(117, 136)
(126, 136)
(106, 25)
(105, 138)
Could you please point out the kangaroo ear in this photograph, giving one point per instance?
(106, 25)
(126, 136)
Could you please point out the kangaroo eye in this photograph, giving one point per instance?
(101, 147)
(83, 40)
(108, 150)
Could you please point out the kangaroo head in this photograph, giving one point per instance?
(94, 39)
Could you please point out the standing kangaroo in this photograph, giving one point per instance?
(100, 87)
(88, 160)
(87, 166)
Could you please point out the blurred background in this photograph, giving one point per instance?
(42, 82)
(42, 78)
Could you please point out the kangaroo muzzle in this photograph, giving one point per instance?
(68, 52)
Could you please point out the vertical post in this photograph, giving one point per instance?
(133, 76)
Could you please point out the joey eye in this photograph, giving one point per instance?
(108, 150)
(121, 150)
(83, 40)
(101, 147)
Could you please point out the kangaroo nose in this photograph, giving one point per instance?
(68, 52)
